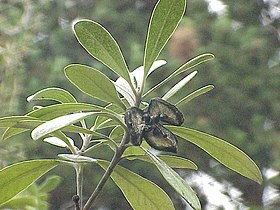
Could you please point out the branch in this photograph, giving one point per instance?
(114, 162)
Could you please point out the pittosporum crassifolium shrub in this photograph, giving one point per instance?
(138, 122)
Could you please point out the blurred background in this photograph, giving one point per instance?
(37, 42)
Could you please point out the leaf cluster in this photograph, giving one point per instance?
(55, 122)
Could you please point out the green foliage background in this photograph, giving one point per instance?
(37, 42)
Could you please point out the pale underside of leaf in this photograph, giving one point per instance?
(58, 123)
(188, 65)
(178, 86)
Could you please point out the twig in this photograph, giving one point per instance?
(114, 162)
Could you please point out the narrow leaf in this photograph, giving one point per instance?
(58, 142)
(176, 181)
(194, 62)
(53, 111)
(179, 86)
(10, 132)
(93, 83)
(13, 120)
(56, 94)
(172, 161)
(77, 158)
(139, 192)
(101, 45)
(17, 177)
(222, 151)
(164, 20)
(188, 65)
(58, 123)
(195, 94)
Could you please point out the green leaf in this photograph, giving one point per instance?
(10, 132)
(164, 20)
(49, 184)
(172, 161)
(139, 192)
(101, 45)
(194, 62)
(25, 125)
(56, 94)
(53, 111)
(179, 86)
(93, 83)
(222, 151)
(102, 121)
(176, 181)
(20, 202)
(195, 94)
(13, 120)
(19, 176)
(188, 65)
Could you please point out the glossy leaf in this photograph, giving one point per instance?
(178, 86)
(139, 192)
(172, 161)
(222, 151)
(194, 94)
(101, 45)
(17, 177)
(56, 94)
(164, 20)
(179, 184)
(93, 83)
